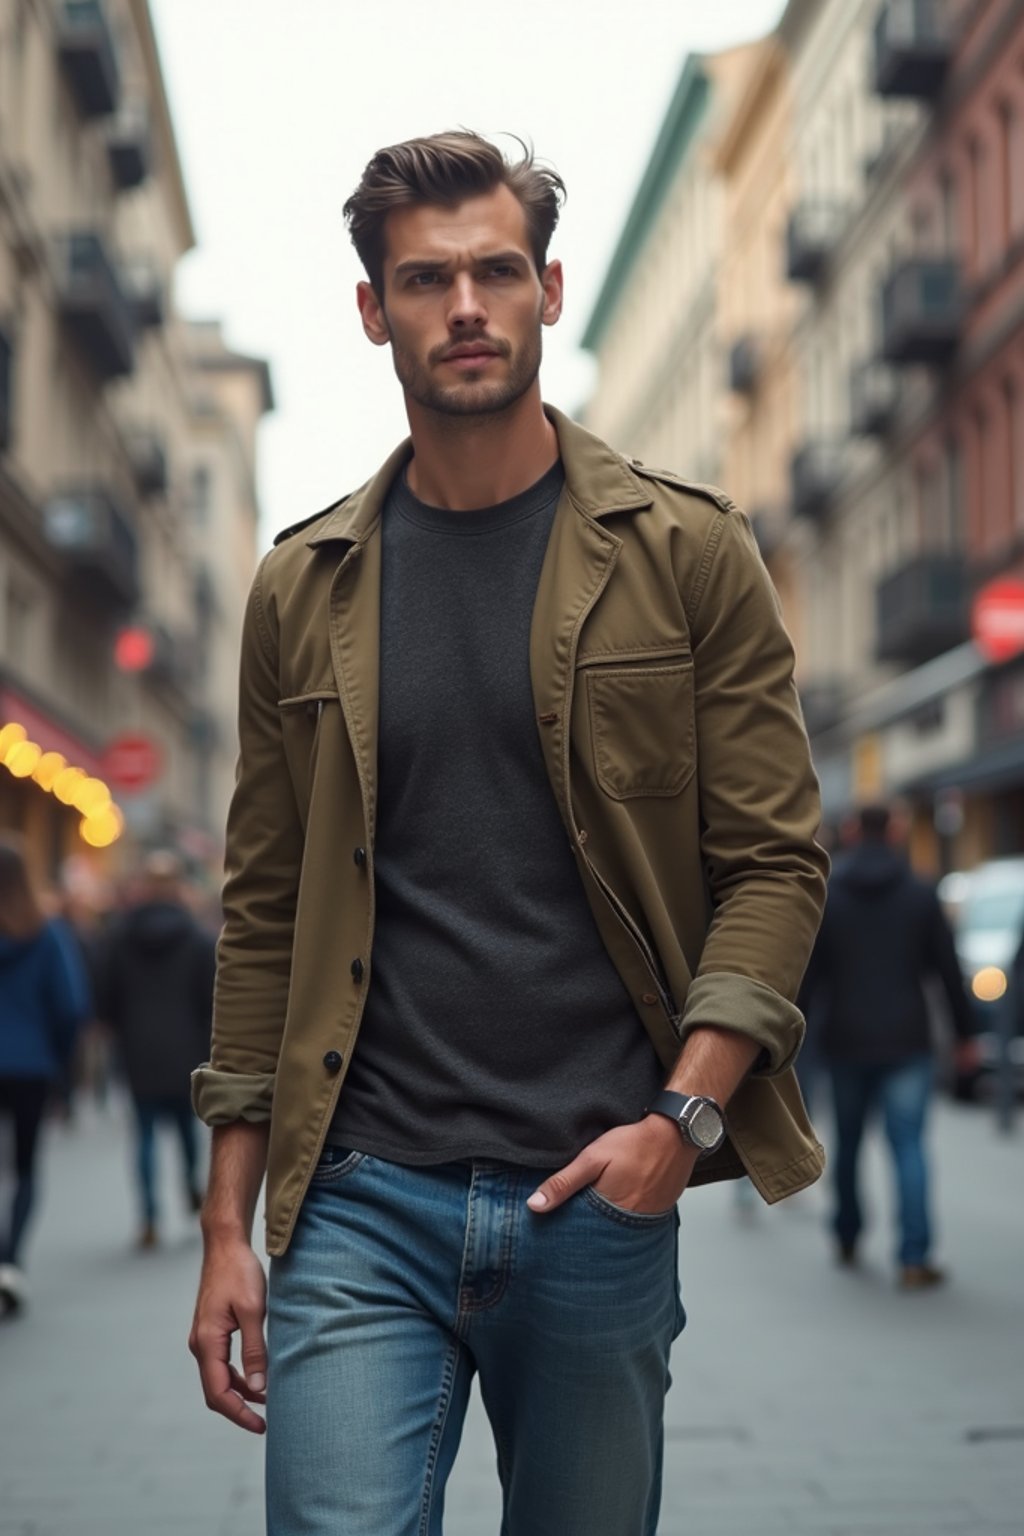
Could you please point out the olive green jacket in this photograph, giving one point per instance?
(672, 735)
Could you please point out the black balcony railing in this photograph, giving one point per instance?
(96, 538)
(145, 292)
(874, 394)
(922, 312)
(93, 304)
(912, 48)
(128, 148)
(815, 472)
(149, 462)
(813, 230)
(744, 365)
(6, 390)
(822, 704)
(922, 609)
(88, 55)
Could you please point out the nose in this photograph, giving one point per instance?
(466, 309)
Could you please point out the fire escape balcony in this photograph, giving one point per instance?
(815, 472)
(912, 48)
(93, 304)
(128, 147)
(874, 395)
(85, 44)
(922, 609)
(744, 364)
(922, 311)
(90, 528)
(813, 231)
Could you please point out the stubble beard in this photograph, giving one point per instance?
(470, 397)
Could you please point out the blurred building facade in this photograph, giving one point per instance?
(867, 367)
(120, 581)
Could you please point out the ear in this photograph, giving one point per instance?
(551, 282)
(371, 312)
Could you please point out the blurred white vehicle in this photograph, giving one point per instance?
(986, 908)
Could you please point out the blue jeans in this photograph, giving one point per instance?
(402, 1282)
(902, 1093)
(148, 1112)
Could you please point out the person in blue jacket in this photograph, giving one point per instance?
(44, 997)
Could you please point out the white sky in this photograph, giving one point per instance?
(277, 109)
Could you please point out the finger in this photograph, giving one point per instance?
(254, 1350)
(212, 1351)
(245, 1389)
(583, 1170)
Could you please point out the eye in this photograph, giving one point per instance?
(503, 269)
(423, 279)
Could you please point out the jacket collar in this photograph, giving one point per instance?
(599, 482)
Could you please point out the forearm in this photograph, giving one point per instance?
(238, 1161)
(713, 1062)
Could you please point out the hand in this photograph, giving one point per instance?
(232, 1295)
(643, 1167)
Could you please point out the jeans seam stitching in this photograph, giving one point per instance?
(625, 1218)
(441, 1419)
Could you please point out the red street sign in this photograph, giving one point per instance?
(132, 761)
(997, 619)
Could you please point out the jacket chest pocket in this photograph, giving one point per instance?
(642, 727)
(301, 717)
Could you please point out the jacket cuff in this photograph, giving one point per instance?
(218, 1098)
(723, 1000)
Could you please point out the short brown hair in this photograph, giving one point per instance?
(445, 169)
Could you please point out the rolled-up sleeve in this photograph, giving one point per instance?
(263, 863)
(759, 803)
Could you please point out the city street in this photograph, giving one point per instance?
(807, 1401)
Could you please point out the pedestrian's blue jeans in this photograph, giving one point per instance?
(400, 1283)
(148, 1112)
(902, 1093)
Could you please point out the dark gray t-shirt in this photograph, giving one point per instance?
(495, 1024)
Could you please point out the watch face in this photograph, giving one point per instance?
(706, 1126)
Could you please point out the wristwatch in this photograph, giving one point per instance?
(700, 1120)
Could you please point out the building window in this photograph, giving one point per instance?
(947, 193)
(200, 495)
(18, 623)
(1013, 468)
(975, 162)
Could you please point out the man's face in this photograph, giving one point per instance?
(463, 304)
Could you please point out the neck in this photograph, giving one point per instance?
(462, 463)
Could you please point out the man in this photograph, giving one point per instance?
(155, 986)
(883, 934)
(523, 834)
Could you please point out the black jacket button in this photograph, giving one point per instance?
(357, 970)
(332, 1061)
(360, 856)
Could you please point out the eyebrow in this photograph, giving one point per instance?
(490, 260)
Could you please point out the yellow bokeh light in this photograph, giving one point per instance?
(9, 737)
(66, 783)
(22, 758)
(47, 769)
(103, 829)
(91, 797)
(989, 984)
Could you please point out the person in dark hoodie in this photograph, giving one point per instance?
(883, 933)
(156, 994)
(44, 997)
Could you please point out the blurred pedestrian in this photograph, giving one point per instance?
(883, 933)
(44, 997)
(156, 994)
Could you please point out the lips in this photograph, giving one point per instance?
(469, 354)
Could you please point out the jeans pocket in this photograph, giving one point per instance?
(335, 1164)
(619, 1213)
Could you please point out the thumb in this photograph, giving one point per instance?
(254, 1352)
(583, 1170)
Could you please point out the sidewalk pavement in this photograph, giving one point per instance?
(807, 1401)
